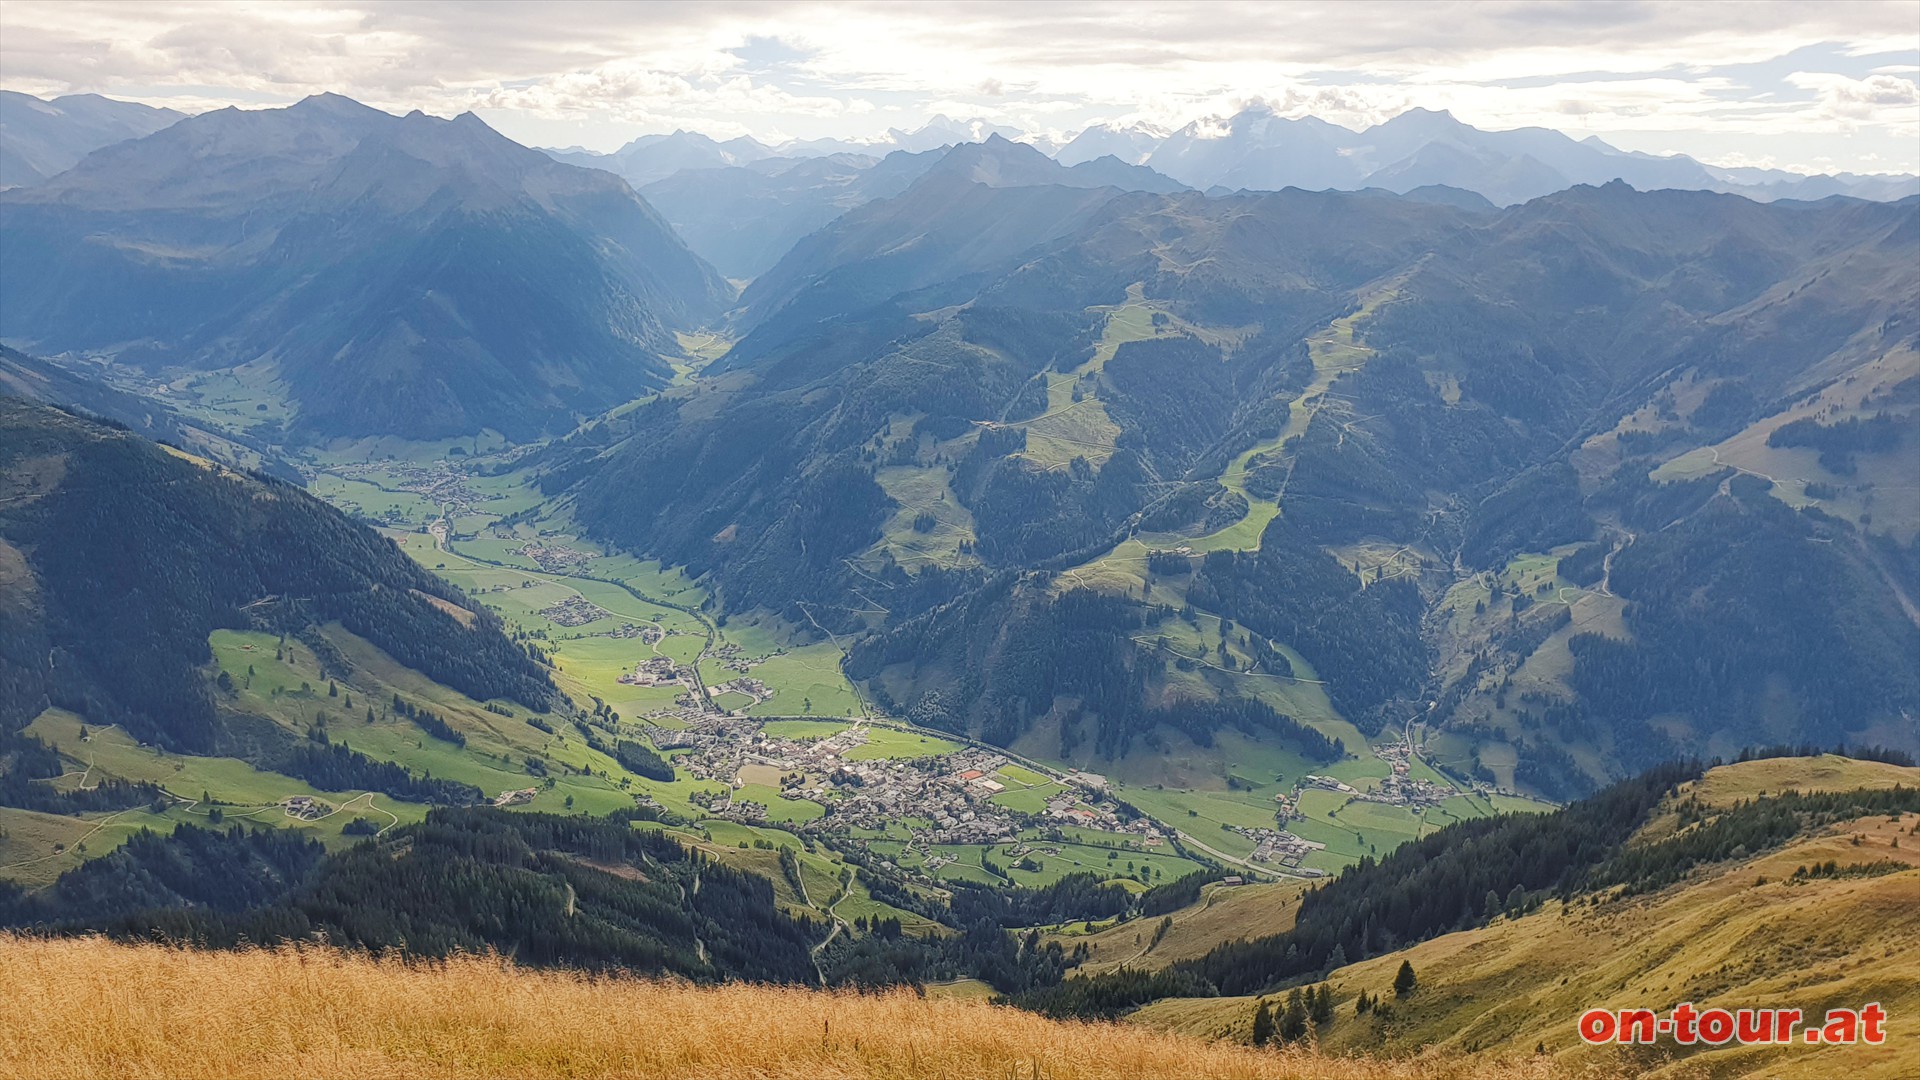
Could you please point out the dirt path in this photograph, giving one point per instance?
(76, 844)
(1152, 644)
(838, 924)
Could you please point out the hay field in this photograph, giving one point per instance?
(90, 1008)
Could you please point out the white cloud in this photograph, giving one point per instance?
(598, 73)
(1887, 100)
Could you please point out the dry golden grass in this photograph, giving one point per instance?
(1718, 940)
(90, 1008)
(1728, 784)
(1223, 913)
(1828, 772)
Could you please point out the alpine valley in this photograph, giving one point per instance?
(1185, 578)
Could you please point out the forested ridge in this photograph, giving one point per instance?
(1020, 651)
(1469, 872)
(1462, 389)
(531, 885)
(573, 891)
(130, 556)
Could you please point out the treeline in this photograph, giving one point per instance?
(641, 761)
(462, 881)
(1786, 613)
(1439, 883)
(1886, 754)
(1838, 442)
(1470, 871)
(1364, 641)
(1106, 997)
(428, 721)
(1449, 880)
(139, 555)
(1749, 827)
(980, 950)
(1176, 894)
(338, 767)
(983, 947)
(1074, 897)
(210, 870)
(26, 766)
(1200, 719)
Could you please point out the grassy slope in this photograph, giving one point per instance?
(88, 1008)
(1720, 939)
(247, 793)
(1223, 913)
(292, 691)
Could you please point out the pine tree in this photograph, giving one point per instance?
(1321, 1004)
(1293, 1022)
(1404, 982)
(1262, 1024)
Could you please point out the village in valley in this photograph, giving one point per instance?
(764, 733)
(911, 804)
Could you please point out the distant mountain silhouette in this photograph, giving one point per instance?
(41, 138)
(406, 275)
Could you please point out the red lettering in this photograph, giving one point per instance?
(1784, 1021)
(1683, 1020)
(1843, 1026)
(1716, 1026)
(1638, 1026)
(1756, 1025)
(1871, 1017)
(1597, 1025)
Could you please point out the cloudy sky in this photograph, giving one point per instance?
(1814, 86)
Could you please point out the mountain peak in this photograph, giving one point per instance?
(1423, 120)
(442, 197)
(335, 103)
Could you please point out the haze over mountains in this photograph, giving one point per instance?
(1601, 376)
(1499, 384)
(1022, 396)
(41, 138)
(927, 563)
(1421, 153)
(402, 274)
(1258, 149)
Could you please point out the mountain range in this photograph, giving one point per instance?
(716, 192)
(1098, 376)
(1258, 149)
(40, 138)
(1262, 580)
(1084, 390)
(399, 274)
